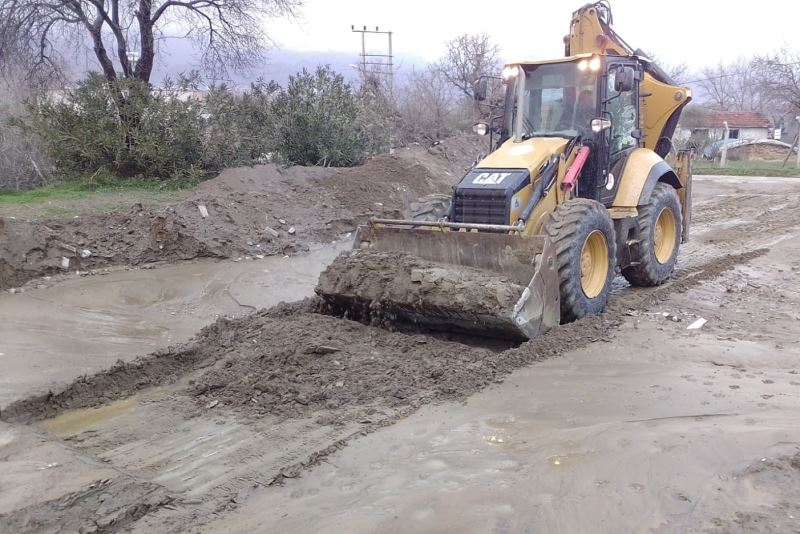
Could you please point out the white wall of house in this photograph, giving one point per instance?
(744, 133)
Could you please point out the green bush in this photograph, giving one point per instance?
(318, 120)
(121, 128)
(103, 130)
(240, 129)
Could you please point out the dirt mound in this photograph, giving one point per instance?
(263, 210)
(137, 236)
(298, 363)
(758, 152)
(106, 506)
(290, 359)
(365, 189)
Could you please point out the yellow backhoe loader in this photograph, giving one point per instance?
(575, 188)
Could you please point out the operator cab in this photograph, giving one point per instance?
(590, 99)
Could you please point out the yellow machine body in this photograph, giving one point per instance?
(500, 209)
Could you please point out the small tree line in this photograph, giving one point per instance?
(116, 123)
(171, 132)
(123, 127)
(769, 84)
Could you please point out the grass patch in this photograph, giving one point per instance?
(67, 190)
(747, 168)
(90, 185)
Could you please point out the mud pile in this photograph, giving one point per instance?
(758, 152)
(105, 506)
(137, 236)
(263, 210)
(382, 287)
(296, 362)
(293, 361)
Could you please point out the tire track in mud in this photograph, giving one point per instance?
(739, 222)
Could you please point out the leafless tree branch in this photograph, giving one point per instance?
(468, 58)
(228, 34)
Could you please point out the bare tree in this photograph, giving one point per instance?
(679, 72)
(780, 78)
(468, 57)
(428, 109)
(735, 86)
(228, 34)
(23, 161)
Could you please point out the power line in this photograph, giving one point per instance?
(734, 74)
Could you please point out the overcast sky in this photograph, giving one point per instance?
(695, 32)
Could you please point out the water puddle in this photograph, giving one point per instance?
(76, 422)
(82, 325)
(568, 458)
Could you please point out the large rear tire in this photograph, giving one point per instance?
(583, 235)
(658, 232)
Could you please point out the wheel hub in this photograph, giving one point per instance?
(664, 232)
(594, 264)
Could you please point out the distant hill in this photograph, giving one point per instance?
(279, 64)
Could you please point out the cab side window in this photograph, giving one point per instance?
(622, 107)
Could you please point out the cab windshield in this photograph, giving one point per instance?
(556, 99)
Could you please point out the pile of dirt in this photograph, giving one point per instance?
(293, 360)
(105, 506)
(244, 212)
(139, 235)
(753, 152)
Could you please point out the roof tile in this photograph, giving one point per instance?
(736, 119)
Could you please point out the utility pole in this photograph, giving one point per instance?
(797, 164)
(380, 66)
(723, 159)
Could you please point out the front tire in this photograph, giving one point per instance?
(583, 234)
(658, 232)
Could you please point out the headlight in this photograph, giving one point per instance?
(592, 64)
(510, 71)
(598, 125)
(480, 128)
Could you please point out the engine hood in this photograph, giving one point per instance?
(529, 154)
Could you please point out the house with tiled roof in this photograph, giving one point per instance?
(741, 125)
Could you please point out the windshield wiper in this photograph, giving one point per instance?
(561, 133)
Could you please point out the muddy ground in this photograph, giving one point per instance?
(288, 420)
(245, 212)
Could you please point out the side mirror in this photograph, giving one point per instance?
(623, 80)
(598, 125)
(480, 89)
